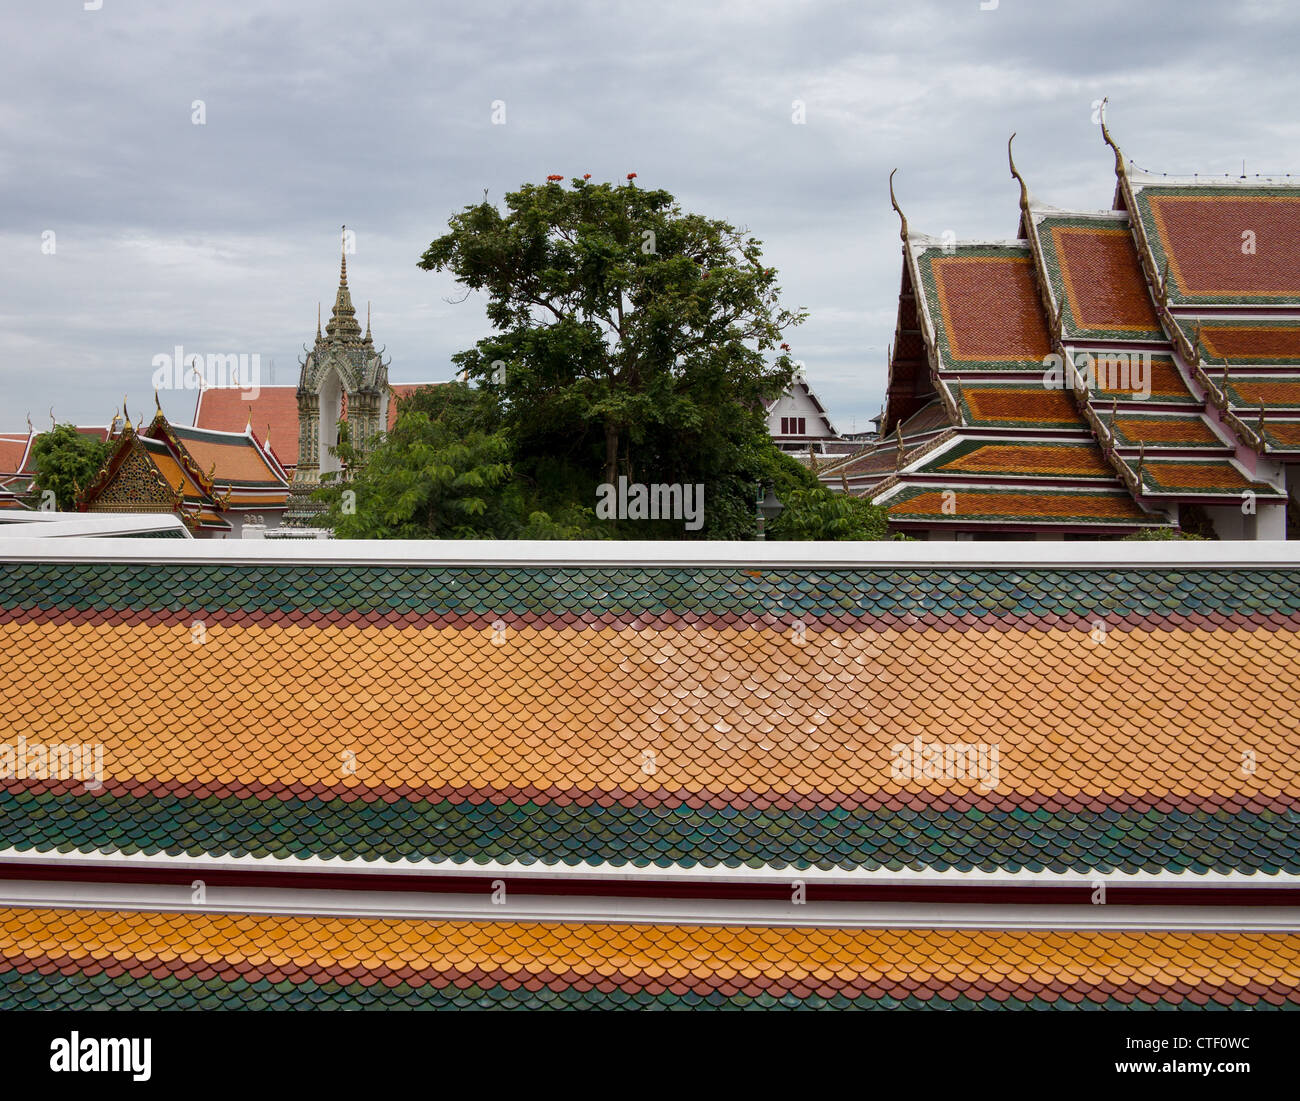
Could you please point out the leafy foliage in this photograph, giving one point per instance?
(819, 514)
(1162, 533)
(630, 338)
(65, 462)
(439, 474)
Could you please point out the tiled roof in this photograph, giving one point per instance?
(13, 449)
(1284, 435)
(1272, 392)
(1201, 233)
(274, 412)
(988, 404)
(274, 415)
(654, 716)
(985, 308)
(1201, 476)
(1167, 385)
(237, 459)
(932, 418)
(1249, 341)
(1018, 506)
(1096, 279)
(1057, 460)
(87, 959)
(336, 718)
(1177, 429)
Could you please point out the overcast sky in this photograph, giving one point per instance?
(222, 237)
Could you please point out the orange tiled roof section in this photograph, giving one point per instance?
(1030, 506)
(275, 409)
(1022, 405)
(402, 962)
(1284, 434)
(1265, 391)
(1069, 460)
(12, 449)
(1190, 430)
(1103, 279)
(234, 460)
(577, 708)
(1166, 383)
(1219, 477)
(1251, 343)
(1202, 236)
(991, 310)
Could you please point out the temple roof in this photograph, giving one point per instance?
(983, 307)
(1199, 231)
(1095, 280)
(273, 412)
(622, 731)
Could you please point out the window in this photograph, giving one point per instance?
(792, 426)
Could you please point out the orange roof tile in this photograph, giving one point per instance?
(1201, 231)
(990, 309)
(194, 960)
(1024, 405)
(1034, 459)
(1104, 284)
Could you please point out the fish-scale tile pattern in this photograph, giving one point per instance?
(1139, 720)
(71, 959)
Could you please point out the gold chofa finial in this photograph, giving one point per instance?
(893, 201)
(1105, 136)
(1015, 174)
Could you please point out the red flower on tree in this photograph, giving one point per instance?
(785, 347)
(631, 175)
(551, 179)
(586, 175)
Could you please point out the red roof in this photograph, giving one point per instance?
(274, 411)
(13, 449)
(1202, 234)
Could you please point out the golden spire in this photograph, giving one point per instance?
(342, 325)
(1015, 174)
(156, 403)
(1105, 136)
(126, 417)
(902, 229)
(318, 332)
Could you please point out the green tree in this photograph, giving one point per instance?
(441, 473)
(820, 514)
(66, 462)
(630, 338)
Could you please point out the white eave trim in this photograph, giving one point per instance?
(470, 553)
(624, 873)
(27, 894)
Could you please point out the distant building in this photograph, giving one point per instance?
(798, 422)
(216, 482)
(1172, 325)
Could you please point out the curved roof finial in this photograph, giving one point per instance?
(1015, 175)
(156, 404)
(126, 417)
(893, 201)
(1105, 136)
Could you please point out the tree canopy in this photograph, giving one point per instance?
(65, 462)
(629, 339)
